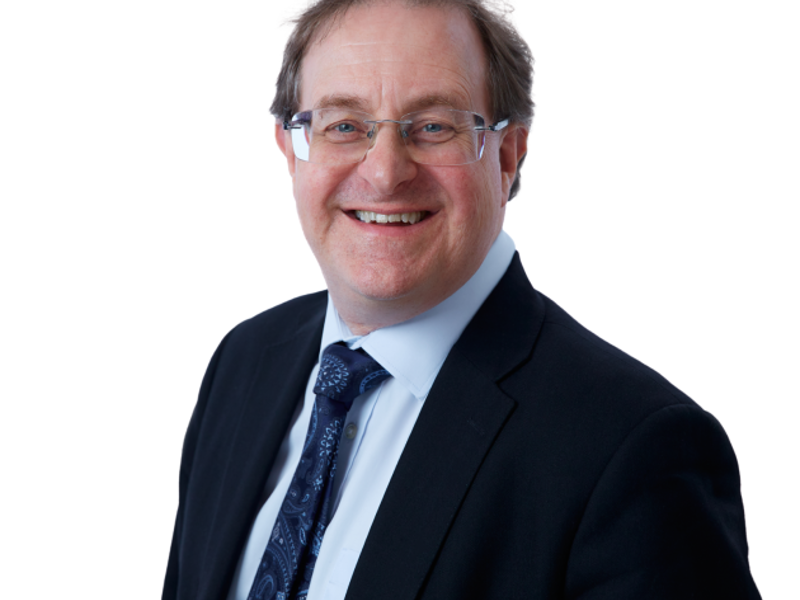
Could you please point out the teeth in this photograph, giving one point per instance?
(372, 217)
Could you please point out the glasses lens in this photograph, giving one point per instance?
(331, 136)
(443, 137)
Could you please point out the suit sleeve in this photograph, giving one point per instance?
(665, 520)
(172, 578)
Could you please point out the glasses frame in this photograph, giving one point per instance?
(298, 122)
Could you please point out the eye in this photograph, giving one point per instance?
(432, 128)
(344, 128)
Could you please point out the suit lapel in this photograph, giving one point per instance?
(462, 417)
(279, 385)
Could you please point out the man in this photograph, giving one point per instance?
(510, 453)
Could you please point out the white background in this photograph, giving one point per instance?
(146, 210)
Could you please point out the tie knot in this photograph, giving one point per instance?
(345, 374)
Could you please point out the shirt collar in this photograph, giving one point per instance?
(413, 351)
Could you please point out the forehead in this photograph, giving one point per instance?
(390, 57)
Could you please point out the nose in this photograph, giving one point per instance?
(387, 165)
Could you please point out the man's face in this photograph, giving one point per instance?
(389, 60)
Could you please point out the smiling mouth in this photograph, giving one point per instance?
(408, 218)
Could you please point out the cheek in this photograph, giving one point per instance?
(311, 191)
(478, 196)
(480, 213)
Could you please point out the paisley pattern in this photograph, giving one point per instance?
(288, 562)
(333, 375)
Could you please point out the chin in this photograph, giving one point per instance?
(385, 286)
(382, 293)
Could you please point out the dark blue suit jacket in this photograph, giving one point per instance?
(545, 464)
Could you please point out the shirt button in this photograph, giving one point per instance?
(350, 431)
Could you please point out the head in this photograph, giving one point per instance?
(509, 73)
(389, 58)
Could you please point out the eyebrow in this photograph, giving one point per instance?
(340, 101)
(356, 103)
(437, 100)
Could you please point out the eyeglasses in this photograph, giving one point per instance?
(437, 136)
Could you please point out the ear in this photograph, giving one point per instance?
(284, 139)
(513, 148)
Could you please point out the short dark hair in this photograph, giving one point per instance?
(510, 62)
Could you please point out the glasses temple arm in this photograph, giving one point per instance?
(496, 127)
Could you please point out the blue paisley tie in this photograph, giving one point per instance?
(288, 562)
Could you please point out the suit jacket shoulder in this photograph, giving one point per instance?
(301, 316)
